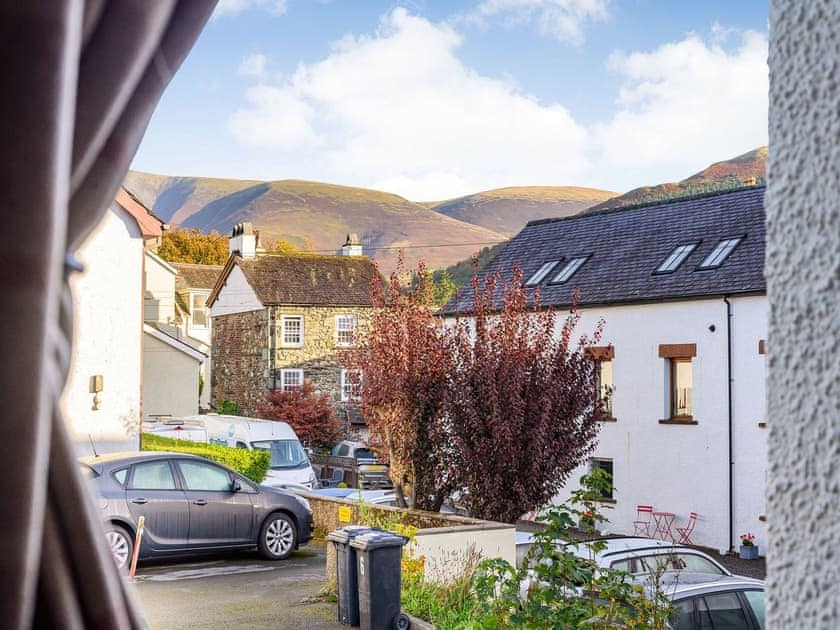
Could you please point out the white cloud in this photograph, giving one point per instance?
(232, 7)
(400, 107)
(397, 110)
(561, 19)
(685, 105)
(253, 65)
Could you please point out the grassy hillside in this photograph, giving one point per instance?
(313, 216)
(507, 210)
(719, 176)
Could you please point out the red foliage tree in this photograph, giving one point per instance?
(307, 412)
(405, 361)
(524, 405)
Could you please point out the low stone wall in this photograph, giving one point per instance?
(447, 542)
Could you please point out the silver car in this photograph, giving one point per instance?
(192, 505)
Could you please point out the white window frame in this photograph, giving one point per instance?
(676, 258)
(339, 329)
(193, 296)
(290, 344)
(290, 387)
(569, 269)
(345, 396)
(721, 252)
(541, 273)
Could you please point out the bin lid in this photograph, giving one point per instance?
(348, 533)
(377, 539)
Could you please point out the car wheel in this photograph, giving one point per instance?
(121, 545)
(278, 537)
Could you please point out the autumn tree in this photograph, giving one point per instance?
(523, 408)
(194, 246)
(404, 360)
(307, 412)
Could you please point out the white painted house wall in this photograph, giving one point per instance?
(107, 336)
(170, 377)
(236, 296)
(684, 468)
(159, 297)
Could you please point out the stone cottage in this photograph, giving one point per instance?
(281, 319)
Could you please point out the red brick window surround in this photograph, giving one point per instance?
(680, 382)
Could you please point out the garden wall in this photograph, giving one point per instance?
(446, 541)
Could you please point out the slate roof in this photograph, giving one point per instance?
(305, 279)
(192, 276)
(626, 245)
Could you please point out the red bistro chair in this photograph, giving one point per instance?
(644, 514)
(685, 532)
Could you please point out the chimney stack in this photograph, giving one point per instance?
(352, 246)
(243, 240)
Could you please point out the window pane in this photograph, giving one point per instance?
(199, 476)
(120, 475)
(199, 310)
(720, 253)
(756, 600)
(292, 331)
(345, 329)
(681, 620)
(681, 387)
(541, 273)
(568, 271)
(607, 466)
(725, 611)
(351, 381)
(153, 476)
(605, 385)
(697, 564)
(676, 258)
(290, 379)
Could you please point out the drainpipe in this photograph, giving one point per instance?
(730, 535)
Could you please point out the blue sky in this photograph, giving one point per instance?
(433, 99)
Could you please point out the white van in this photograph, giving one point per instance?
(175, 428)
(289, 462)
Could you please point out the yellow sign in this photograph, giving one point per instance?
(345, 514)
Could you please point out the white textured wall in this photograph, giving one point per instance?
(803, 275)
(107, 330)
(159, 298)
(447, 550)
(684, 468)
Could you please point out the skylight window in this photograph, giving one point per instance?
(542, 272)
(720, 253)
(676, 258)
(569, 270)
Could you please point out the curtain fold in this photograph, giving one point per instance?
(81, 79)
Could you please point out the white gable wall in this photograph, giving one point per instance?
(684, 468)
(236, 296)
(159, 298)
(170, 380)
(107, 331)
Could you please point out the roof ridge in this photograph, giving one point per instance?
(648, 204)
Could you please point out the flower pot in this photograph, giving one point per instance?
(749, 552)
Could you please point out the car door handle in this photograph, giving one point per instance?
(199, 502)
(139, 500)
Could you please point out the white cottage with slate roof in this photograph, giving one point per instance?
(681, 288)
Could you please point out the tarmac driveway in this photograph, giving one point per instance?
(239, 590)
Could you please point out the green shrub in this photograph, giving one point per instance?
(252, 464)
(227, 407)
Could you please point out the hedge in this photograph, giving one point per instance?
(252, 464)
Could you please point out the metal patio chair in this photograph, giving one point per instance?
(644, 515)
(685, 532)
(332, 482)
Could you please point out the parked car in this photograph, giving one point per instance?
(192, 505)
(703, 600)
(354, 464)
(637, 555)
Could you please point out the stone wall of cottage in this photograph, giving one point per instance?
(240, 359)
(243, 369)
(320, 356)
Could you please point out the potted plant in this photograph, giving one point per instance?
(749, 550)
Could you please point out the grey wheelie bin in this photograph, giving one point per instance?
(378, 556)
(346, 580)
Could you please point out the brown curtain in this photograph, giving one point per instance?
(80, 81)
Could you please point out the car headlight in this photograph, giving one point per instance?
(313, 480)
(303, 502)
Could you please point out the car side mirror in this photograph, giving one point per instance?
(235, 486)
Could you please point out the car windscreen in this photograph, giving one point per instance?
(363, 453)
(284, 453)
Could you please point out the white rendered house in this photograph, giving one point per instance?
(681, 289)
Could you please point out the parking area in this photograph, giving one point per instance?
(238, 590)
